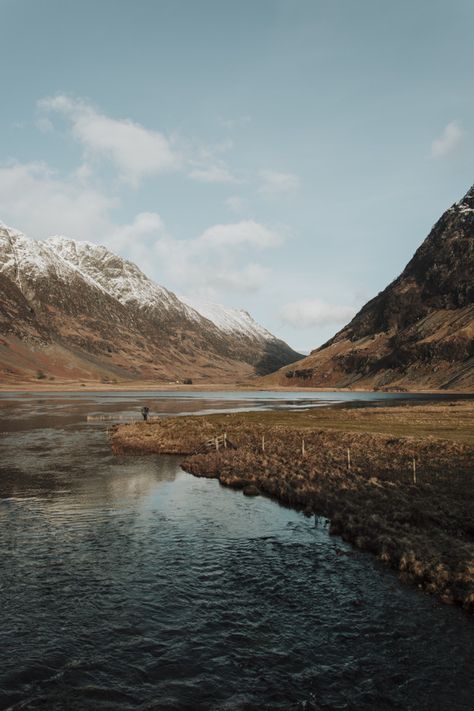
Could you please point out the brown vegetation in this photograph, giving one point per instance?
(363, 481)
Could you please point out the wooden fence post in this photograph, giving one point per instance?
(263, 443)
(348, 459)
(302, 447)
(225, 440)
(217, 444)
(414, 470)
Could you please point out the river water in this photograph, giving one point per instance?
(126, 583)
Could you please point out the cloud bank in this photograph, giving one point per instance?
(38, 201)
(274, 184)
(135, 151)
(309, 313)
(451, 138)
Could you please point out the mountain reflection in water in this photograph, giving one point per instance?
(128, 584)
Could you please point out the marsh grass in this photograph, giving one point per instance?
(423, 530)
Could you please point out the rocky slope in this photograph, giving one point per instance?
(74, 310)
(418, 332)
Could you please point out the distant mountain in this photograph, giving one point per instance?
(74, 310)
(418, 332)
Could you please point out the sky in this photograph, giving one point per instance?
(282, 156)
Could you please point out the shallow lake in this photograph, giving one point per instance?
(126, 583)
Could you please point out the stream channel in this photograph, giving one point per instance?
(126, 583)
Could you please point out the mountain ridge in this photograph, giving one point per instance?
(416, 333)
(83, 299)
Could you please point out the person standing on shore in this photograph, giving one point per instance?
(145, 410)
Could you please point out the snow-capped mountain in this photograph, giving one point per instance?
(80, 302)
(228, 320)
(120, 278)
(24, 260)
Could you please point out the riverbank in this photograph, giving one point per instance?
(397, 481)
(46, 386)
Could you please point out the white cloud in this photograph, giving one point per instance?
(206, 164)
(84, 173)
(44, 124)
(212, 174)
(34, 199)
(215, 261)
(206, 273)
(135, 150)
(209, 277)
(236, 203)
(39, 202)
(233, 123)
(247, 233)
(42, 202)
(275, 184)
(313, 312)
(250, 277)
(145, 226)
(451, 138)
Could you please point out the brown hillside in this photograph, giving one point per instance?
(74, 311)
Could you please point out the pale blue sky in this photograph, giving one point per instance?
(287, 157)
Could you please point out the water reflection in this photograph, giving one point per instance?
(128, 584)
(25, 411)
(55, 464)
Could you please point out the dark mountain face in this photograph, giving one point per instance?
(440, 276)
(419, 331)
(17, 316)
(79, 311)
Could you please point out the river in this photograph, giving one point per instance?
(126, 583)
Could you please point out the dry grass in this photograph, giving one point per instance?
(177, 435)
(424, 530)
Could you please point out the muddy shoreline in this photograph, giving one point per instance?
(407, 499)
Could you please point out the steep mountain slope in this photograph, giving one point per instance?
(228, 320)
(245, 331)
(419, 331)
(75, 310)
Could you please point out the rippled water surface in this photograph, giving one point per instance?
(128, 584)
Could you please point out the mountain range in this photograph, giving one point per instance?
(73, 310)
(418, 332)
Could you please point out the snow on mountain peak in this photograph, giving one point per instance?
(229, 320)
(119, 277)
(22, 258)
(127, 283)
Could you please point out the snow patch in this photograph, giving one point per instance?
(117, 276)
(229, 320)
